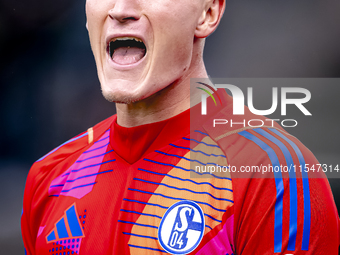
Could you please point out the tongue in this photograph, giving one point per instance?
(127, 55)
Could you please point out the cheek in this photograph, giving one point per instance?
(96, 13)
(174, 25)
(174, 42)
(91, 17)
(90, 9)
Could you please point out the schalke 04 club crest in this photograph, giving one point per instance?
(182, 228)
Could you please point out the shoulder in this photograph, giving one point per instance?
(251, 139)
(277, 195)
(64, 152)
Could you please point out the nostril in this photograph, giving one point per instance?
(123, 13)
(130, 18)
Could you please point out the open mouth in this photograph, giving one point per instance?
(126, 50)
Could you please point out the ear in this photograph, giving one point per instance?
(210, 18)
(87, 26)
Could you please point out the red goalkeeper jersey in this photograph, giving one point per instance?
(115, 190)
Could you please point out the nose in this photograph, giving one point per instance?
(125, 10)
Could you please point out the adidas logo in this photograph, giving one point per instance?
(67, 227)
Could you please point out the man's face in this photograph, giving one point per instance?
(141, 46)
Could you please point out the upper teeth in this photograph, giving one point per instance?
(126, 38)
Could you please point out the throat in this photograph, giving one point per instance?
(132, 144)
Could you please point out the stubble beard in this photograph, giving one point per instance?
(113, 98)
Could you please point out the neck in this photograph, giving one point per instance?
(169, 102)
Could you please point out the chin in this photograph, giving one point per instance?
(128, 92)
(121, 96)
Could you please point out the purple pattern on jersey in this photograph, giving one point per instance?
(41, 229)
(79, 179)
(223, 242)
